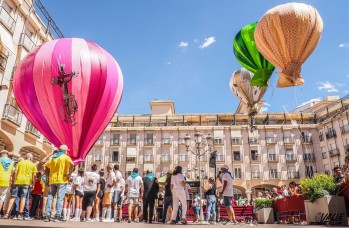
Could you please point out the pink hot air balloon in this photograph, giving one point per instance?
(69, 89)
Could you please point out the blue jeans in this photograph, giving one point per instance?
(60, 190)
(211, 205)
(16, 206)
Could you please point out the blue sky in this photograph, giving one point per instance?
(182, 50)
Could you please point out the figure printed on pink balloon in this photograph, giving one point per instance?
(70, 106)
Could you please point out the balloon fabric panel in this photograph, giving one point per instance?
(286, 36)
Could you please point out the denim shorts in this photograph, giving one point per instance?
(116, 196)
(196, 210)
(20, 190)
(228, 201)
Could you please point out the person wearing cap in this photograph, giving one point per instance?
(134, 191)
(210, 191)
(24, 177)
(228, 194)
(6, 169)
(168, 197)
(58, 170)
(151, 190)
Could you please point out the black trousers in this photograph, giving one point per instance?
(35, 204)
(148, 203)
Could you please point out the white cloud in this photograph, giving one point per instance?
(327, 86)
(169, 63)
(208, 41)
(267, 104)
(344, 45)
(196, 40)
(310, 101)
(183, 44)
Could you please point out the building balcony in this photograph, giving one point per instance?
(115, 142)
(45, 140)
(307, 139)
(293, 175)
(237, 158)
(256, 175)
(273, 157)
(29, 128)
(166, 141)
(331, 134)
(27, 42)
(166, 158)
(334, 152)
(310, 157)
(218, 141)
(148, 142)
(270, 140)
(274, 175)
(148, 159)
(253, 141)
(235, 141)
(238, 176)
(345, 129)
(183, 158)
(181, 141)
(255, 158)
(7, 20)
(220, 158)
(99, 142)
(12, 115)
(131, 142)
(288, 140)
(131, 159)
(291, 158)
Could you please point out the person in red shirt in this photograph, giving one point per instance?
(36, 194)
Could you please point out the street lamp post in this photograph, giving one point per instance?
(198, 154)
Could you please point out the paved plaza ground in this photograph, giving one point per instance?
(29, 224)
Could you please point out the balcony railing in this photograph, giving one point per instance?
(131, 142)
(253, 141)
(99, 142)
(148, 158)
(12, 114)
(307, 139)
(235, 141)
(274, 175)
(218, 141)
(345, 129)
(293, 175)
(181, 141)
(45, 140)
(7, 20)
(220, 158)
(309, 157)
(331, 134)
(27, 42)
(256, 175)
(255, 158)
(166, 141)
(131, 159)
(273, 157)
(270, 140)
(183, 158)
(149, 141)
(115, 142)
(334, 152)
(291, 158)
(288, 140)
(32, 130)
(237, 157)
(238, 175)
(165, 158)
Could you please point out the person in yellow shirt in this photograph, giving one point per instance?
(6, 169)
(24, 177)
(58, 170)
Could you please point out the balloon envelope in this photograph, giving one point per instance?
(241, 88)
(69, 89)
(286, 36)
(248, 56)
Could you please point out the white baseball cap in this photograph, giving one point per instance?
(64, 147)
(225, 167)
(4, 152)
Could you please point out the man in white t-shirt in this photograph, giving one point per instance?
(110, 183)
(91, 188)
(228, 193)
(117, 193)
(134, 192)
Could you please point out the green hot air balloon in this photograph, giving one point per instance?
(247, 54)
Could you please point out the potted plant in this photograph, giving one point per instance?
(265, 212)
(322, 205)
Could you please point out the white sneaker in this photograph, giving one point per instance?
(75, 219)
